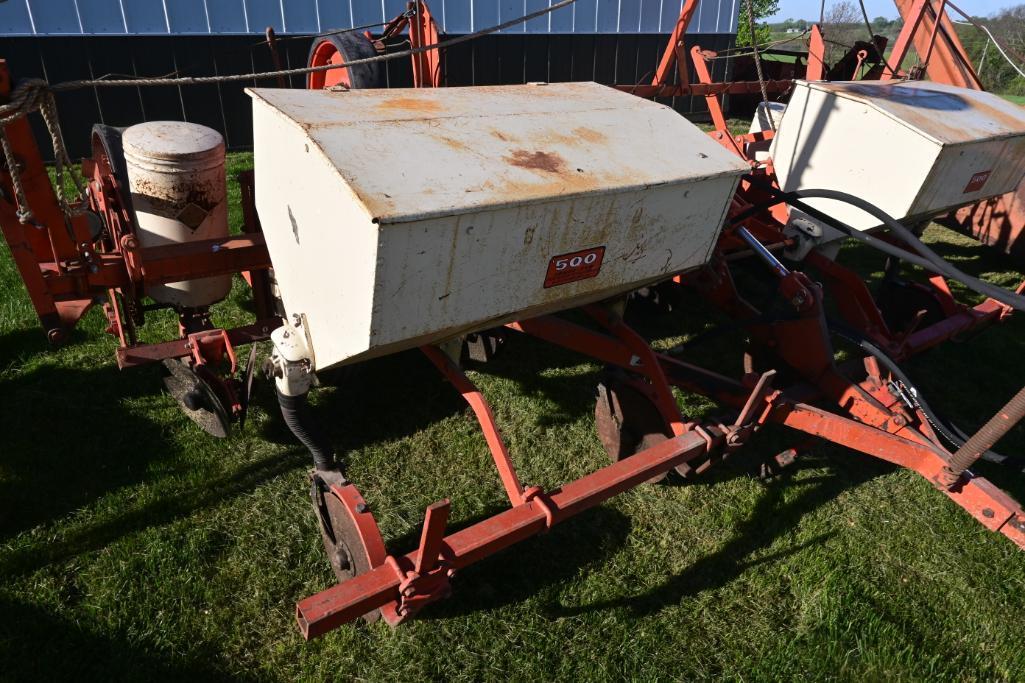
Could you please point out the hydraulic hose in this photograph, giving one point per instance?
(934, 419)
(296, 412)
(926, 258)
(971, 448)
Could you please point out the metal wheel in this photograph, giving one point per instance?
(346, 551)
(340, 49)
(197, 397)
(627, 421)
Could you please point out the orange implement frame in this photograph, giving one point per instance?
(67, 270)
(423, 31)
(675, 55)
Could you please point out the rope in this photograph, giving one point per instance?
(263, 75)
(758, 66)
(33, 95)
(749, 50)
(38, 95)
(23, 212)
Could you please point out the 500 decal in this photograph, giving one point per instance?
(977, 181)
(577, 265)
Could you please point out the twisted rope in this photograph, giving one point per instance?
(37, 95)
(34, 95)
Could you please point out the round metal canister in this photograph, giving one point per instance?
(176, 177)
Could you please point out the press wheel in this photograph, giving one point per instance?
(351, 550)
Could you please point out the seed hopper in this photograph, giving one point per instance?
(451, 220)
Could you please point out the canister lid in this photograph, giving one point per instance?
(173, 141)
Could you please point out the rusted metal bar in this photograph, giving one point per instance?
(703, 89)
(142, 354)
(987, 436)
(948, 62)
(482, 410)
(351, 599)
(272, 45)
(674, 52)
(201, 258)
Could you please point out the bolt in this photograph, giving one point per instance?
(361, 508)
(987, 513)
(296, 320)
(899, 420)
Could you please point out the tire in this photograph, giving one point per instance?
(341, 48)
(108, 151)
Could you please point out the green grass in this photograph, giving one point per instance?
(1017, 99)
(134, 547)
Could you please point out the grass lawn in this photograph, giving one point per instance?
(134, 547)
(1017, 99)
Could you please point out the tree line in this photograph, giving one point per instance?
(843, 24)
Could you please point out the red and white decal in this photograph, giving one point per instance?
(977, 181)
(577, 265)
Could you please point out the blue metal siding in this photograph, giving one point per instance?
(205, 17)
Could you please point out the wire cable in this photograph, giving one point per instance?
(926, 258)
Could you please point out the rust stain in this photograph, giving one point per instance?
(589, 135)
(498, 134)
(453, 143)
(411, 104)
(549, 162)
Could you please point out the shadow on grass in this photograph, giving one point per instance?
(38, 645)
(69, 439)
(157, 513)
(375, 401)
(769, 520)
(538, 563)
(22, 344)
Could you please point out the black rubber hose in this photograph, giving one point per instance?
(296, 411)
(930, 260)
(937, 423)
(991, 432)
(945, 428)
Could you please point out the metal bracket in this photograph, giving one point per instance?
(427, 579)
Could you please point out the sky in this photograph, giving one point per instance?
(809, 9)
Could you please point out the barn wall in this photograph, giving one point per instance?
(608, 41)
(208, 17)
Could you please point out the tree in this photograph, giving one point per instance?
(841, 27)
(762, 9)
(1008, 27)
